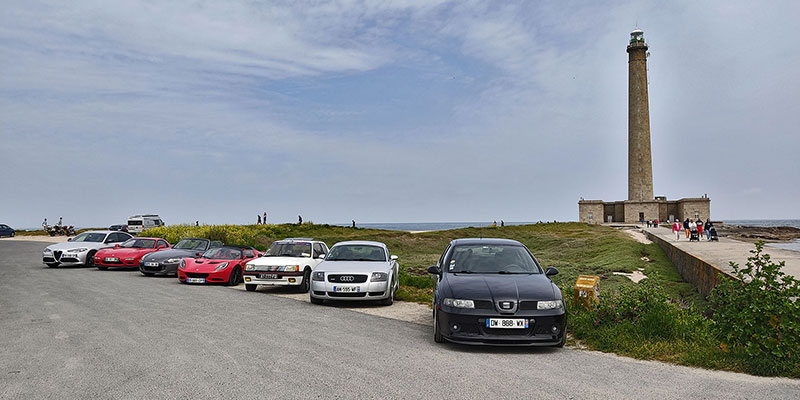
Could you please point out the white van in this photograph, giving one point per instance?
(138, 223)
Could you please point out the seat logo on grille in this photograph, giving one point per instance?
(347, 278)
(506, 305)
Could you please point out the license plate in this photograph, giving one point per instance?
(268, 276)
(112, 259)
(346, 289)
(151, 264)
(195, 280)
(506, 323)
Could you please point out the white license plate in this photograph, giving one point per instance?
(346, 289)
(507, 323)
(151, 264)
(195, 280)
(112, 259)
(268, 276)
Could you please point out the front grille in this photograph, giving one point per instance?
(69, 259)
(376, 293)
(112, 262)
(527, 305)
(147, 268)
(338, 294)
(196, 275)
(57, 254)
(483, 305)
(319, 293)
(48, 259)
(356, 278)
(507, 332)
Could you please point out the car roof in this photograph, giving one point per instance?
(194, 238)
(230, 246)
(361, 242)
(106, 232)
(487, 241)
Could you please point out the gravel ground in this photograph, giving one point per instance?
(84, 333)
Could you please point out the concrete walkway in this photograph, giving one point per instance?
(721, 253)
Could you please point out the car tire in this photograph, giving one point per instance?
(250, 288)
(306, 285)
(90, 259)
(437, 334)
(234, 277)
(315, 300)
(389, 300)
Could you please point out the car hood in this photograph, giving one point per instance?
(500, 287)
(77, 245)
(353, 266)
(123, 252)
(162, 255)
(205, 264)
(263, 261)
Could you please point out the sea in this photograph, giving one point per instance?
(428, 226)
(794, 245)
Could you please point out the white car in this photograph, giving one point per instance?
(80, 249)
(356, 270)
(287, 262)
(141, 222)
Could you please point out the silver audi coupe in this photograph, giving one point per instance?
(356, 270)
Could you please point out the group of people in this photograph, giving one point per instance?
(260, 221)
(690, 226)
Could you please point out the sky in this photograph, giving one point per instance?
(396, 111)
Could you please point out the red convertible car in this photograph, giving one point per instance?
(129, 253)
(221, 265)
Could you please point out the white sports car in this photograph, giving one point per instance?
(356, 270)
(287, 262)
(80, 249)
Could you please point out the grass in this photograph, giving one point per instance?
(573, 248)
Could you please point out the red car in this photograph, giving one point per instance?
(220, 265)
(129, 253)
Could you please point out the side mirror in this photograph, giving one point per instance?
(434, 270)
(69, 239)
(116, 245)
(199, 253)
(550, 271)
(321, 256)
(393, 257)
(161, 246)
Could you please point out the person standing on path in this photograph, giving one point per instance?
(44, 224)
(692, 227)
(354, 223)
(707, 228)
(676, 228)
(686, 227)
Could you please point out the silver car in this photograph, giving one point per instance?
(80, 249)
(356, 270)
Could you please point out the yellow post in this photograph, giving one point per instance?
(586, 290)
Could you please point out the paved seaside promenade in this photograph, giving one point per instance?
(726, 250)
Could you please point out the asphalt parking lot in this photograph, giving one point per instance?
(84, 333)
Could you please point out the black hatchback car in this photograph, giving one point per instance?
(494, 292)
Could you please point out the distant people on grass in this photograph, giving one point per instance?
(265, 218)
(494, 224)
(707, 228)
(502, 223)
(676, 228)
(197, 223)
(299, 220)
(686, 227)
(258, 222)
(354, 223)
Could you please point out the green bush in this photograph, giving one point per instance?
(758, 315)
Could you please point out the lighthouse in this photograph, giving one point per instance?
(640, 164)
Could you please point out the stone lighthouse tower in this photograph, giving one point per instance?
(640, 164)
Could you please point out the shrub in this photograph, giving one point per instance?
(758, 315)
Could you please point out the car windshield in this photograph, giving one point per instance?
(360, 252)
(491, 259)
(289, 249)
(223, 253)
(89, 237)
(191, 244)
(139, 243)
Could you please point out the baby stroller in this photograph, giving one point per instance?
(694, 236)
(712, 232)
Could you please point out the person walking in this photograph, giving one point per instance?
(59, 221)
(502, 223)
(44, 224)
(258, 222)
(686, 227)
(676, 228)
(707, 229)
(299, 220)
(692, 227)
(699, 228)
(354, 223)
(265, 218)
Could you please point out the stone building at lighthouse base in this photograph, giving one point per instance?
(598, 211)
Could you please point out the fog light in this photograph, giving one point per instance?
(455, 327)
(555, 330)
(291, 280)
(247, 279)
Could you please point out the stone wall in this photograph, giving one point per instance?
(688, 207)
(633, 208)
(694, 270)
(590, 211)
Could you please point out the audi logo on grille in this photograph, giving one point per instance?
(347, 278)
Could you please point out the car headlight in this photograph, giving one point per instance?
(379, 277)
(78, 250)
(221, 266)
(47, 251)
(183, 264)
(290, 268)
(249, 267)
(318, 276)
(459, 303)
(172, 260)
(548, 305)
